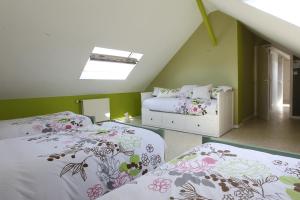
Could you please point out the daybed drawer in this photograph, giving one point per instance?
(152, 118)
(205, 126)
(174, 121)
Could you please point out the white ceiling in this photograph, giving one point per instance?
(274, 29)
(44, 44)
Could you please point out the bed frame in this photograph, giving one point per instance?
(252, 147)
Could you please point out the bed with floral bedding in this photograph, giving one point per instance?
(52, 123)
(215, 171)
(78, 164)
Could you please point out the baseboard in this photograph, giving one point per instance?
(294, 117)
(243, 121)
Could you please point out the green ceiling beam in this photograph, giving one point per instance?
(207, 23)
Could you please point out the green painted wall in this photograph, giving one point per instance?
(199, 62)
(119, 104)
(246, 46)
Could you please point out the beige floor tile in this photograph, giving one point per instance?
(280, 132)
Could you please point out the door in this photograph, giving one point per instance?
(296, 88)
(263, 82)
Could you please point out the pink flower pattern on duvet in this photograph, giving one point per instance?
(197, 107)
(121, 180)
(160, 185)
(94, 192)
(193, 166)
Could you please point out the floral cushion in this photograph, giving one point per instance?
(215, 91)
(164, 92)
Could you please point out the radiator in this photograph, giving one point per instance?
(98, 108)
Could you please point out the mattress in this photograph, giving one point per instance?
(216, 171)
(182, 105)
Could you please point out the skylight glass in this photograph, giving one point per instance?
(110, 64)
(287, 10)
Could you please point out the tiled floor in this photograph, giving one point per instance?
(278, 133)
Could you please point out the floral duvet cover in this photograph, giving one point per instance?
(82, 164)
(52, 123)
(217, 172)
(197, 107)
(184, 106)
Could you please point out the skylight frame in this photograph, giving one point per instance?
(109, 64)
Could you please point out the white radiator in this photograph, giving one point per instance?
(99, 108)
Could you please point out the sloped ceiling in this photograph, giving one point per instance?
(272, 28)
(44, 44)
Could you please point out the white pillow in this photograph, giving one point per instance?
(187, 91)
(163, 92)
(202, 92)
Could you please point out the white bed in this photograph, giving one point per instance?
(77, 164)
(217, 171)
(212, 117)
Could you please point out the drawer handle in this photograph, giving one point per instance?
(27, 133)
(172, 122)
(151, 118)
(198, 125)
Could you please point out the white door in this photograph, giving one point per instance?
(263, 82)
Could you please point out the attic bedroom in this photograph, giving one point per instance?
(135, 99)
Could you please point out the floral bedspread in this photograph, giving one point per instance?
(217, 172)
(52, 123)
(81, 164)
(196, 106)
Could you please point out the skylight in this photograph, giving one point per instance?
(110, 64)
(287, 10)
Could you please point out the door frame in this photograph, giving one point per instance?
(255, 80)
(289, 56)
(292, 84)
(268, 48)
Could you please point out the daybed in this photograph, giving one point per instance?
(212, 117)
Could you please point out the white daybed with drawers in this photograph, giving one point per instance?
(208, 124)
